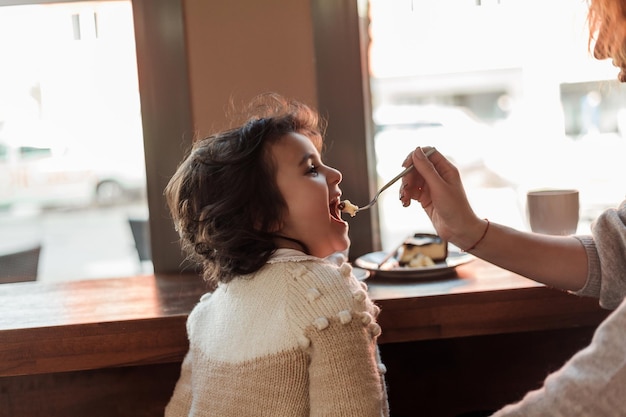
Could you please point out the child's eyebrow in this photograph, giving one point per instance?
(305, 160)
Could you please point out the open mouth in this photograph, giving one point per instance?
(335, 212)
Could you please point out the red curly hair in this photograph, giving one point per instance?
(607, 29)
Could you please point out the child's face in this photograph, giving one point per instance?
(311, 191)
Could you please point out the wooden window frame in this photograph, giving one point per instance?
(340, 60)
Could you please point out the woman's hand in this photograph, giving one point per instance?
(436, 184)
(557, 261)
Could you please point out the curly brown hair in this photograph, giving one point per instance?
(223, 198)
(607, 21)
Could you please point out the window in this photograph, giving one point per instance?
(71, 138)
(166, 113)
(512, 96)
(164, 88)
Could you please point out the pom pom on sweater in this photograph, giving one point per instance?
(321, 323)
(382, 368)
(366, 318)
(345, 270)
(299, 270)
(376, 310)
(312, 294)
(360, 295)
(303, 341)
(344, 317)
(374, 329)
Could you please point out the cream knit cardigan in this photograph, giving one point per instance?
(297, 338)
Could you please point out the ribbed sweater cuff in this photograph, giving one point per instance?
(593, 283)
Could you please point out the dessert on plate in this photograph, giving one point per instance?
(422, 250)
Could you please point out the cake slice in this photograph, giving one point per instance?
(421, 249)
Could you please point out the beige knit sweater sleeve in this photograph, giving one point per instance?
(592, 383)
(339, 328)
(606, 256)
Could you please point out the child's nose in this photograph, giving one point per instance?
(334, 176)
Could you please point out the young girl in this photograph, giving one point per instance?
(286, 332)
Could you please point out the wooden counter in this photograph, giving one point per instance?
(71, 326)
(113, 347)
(481, 299)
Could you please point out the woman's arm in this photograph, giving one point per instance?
(557, 261)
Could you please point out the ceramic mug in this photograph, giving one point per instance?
(553, 212)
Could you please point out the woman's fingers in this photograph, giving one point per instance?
(434, 169)
(413, 185)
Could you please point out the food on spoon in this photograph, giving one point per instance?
(347, 207)
(422, 249)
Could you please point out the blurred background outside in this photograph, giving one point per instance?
(511, 95)
(508, 90)
(72, 171)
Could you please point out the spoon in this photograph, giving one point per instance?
(347, 207)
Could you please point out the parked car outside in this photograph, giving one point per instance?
(50, 176)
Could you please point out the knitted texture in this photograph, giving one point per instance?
(606, 254)
(297, 338)
(592, 382)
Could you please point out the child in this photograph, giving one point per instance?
(286, 332)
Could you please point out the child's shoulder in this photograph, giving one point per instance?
(323, 295)
(318, 284)
(310, 270)
(321, 272)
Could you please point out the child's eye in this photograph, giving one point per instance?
(312, 170)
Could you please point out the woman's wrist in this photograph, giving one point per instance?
(472, 235)
(480, 239)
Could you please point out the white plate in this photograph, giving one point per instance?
(370, 262)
